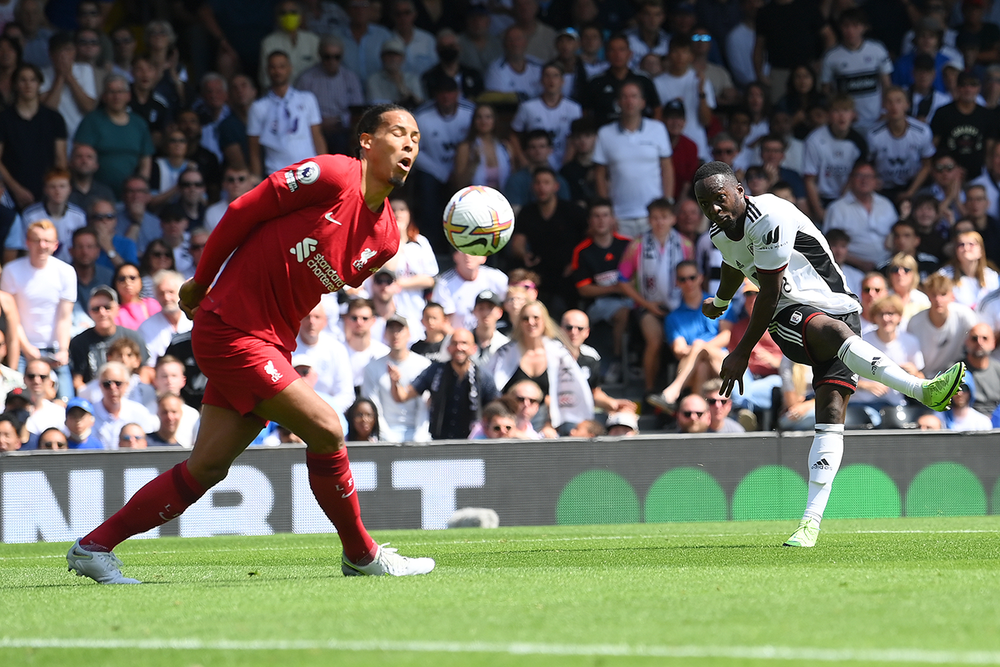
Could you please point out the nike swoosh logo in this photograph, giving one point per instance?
(83, 555)
(329, 216)
(347, 495)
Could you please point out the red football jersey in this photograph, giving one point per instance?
(302, 232)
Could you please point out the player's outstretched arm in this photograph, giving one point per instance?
(767, 300)
(730, 280)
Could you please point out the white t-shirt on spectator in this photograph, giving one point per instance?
(50, 415)
(408, 421)
(157, 332)
(38, 293)
(685, 88)
(458, 296)
(535, 114)
(68, 109)
(942, 347)
(284, 127)
(360, 359)
(502, 78)
(333, 366)
(633, 165)
(73, 219)
(440, 136)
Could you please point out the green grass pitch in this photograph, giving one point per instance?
(907, 591)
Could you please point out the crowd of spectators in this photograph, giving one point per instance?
(126, 130)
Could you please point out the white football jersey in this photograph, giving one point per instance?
(859, 74)
(779, 237)
(898, 159)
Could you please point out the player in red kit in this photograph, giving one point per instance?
(308, 229)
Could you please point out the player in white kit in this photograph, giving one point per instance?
(813, 317)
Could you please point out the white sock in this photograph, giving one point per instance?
(824, 461)
(869, 362)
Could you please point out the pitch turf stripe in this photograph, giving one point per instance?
(891, 655)
(510, 541)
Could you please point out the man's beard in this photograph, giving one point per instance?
(397, 181)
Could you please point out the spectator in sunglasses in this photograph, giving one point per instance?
(114, 411)
(88, 349)
(52, 439)
(719, 407)
(235, 182)
(498, 422)
(693, 415)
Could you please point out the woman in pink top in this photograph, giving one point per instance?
(134, 309)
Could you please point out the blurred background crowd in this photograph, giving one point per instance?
(126, 128)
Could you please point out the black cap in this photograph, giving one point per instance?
(674, 107)
(489, 297)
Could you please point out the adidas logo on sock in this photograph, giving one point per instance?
(875, 364)
(821, 465)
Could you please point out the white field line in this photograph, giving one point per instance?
(515, 541)
(801, 654)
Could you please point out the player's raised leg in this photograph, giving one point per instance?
(828, 336)
(298, 408)
(222, 436)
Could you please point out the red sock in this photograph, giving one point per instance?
(161, 500)
(333, 485)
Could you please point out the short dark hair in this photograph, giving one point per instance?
(82, 231)
(536, 134)
(837, 236)
(545, 169)
(371, 120)
(660, 204)
(710, 169)
(598, 202)
(687, 262)
(61, 39)
(853, 15)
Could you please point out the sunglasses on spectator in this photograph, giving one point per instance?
(35, 376)
(944, 167)
(685, 279)
(528, 399)
(99, 308)
(701, 38)
(123, 278)
(53, 444)
(573, 327)
(192, 184)
(874, 290)
(716, 401)
(131, 438)
(160, 254)
(897, 269)
(501, 428)
(692, 414)
(108, 383)
(360, 318)
(196, 246)
(103, 216)
(236, 179)
(384, 279)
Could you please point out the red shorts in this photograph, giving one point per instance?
(242, 370)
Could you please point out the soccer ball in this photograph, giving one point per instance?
(478, 221)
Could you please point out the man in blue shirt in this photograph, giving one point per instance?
(698, 343)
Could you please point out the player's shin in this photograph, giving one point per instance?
(824, 461)
(333, 486)
(161, 500)
(869, 362)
